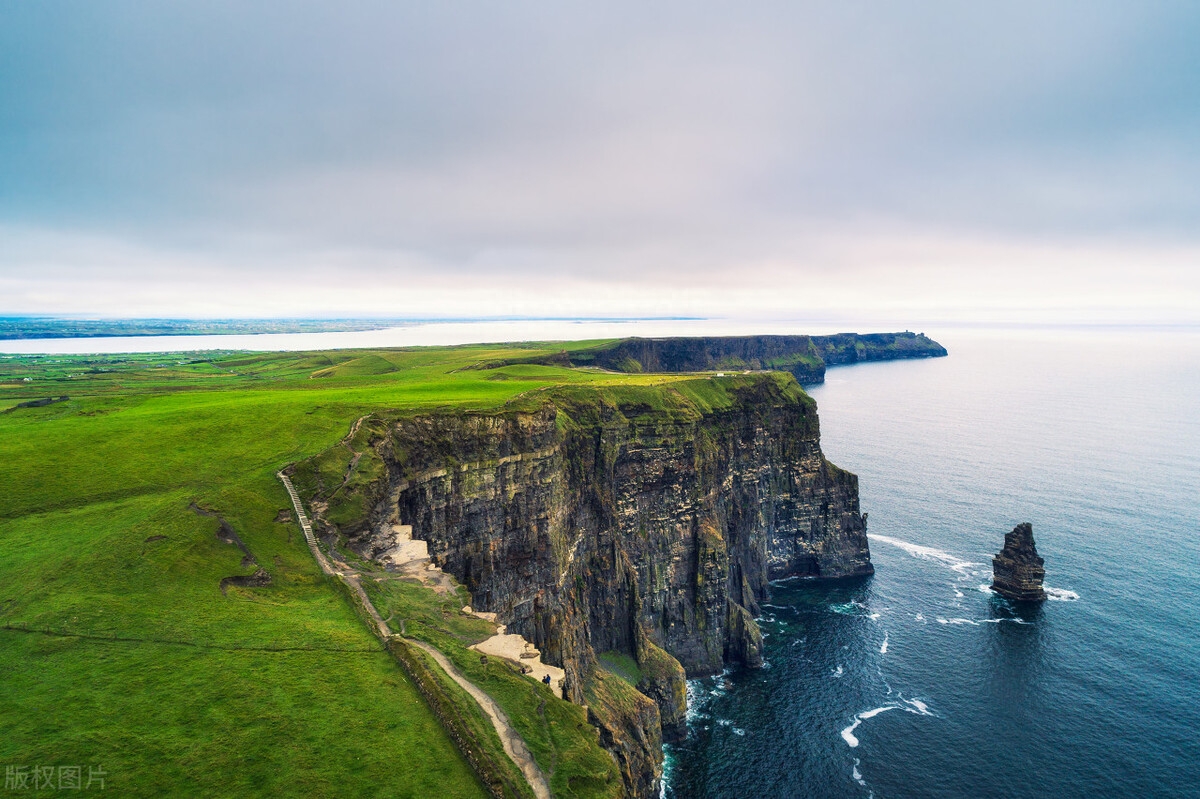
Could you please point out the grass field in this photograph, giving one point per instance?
(118, 646)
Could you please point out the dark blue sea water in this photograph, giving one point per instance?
(917, 681)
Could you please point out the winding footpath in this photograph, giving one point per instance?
(514, 745)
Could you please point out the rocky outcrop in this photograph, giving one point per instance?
(664, 680)
(647, 522)
(630, 729)
(1018, 570)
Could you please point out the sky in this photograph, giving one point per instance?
(917, 161)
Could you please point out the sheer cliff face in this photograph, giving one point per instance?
(626, 521)
(590, 527)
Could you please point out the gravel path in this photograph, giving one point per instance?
(514, 745)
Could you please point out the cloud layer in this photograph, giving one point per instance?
(941, 160)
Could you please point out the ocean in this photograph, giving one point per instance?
(918, 682)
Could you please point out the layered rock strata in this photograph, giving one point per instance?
(1017, 571)
(592, 524)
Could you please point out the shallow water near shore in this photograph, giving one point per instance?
(918, 681)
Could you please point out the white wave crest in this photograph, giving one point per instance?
(883, 646)
(848, 733)
(908, 705)
(927, 553)
(977, 622)
(1060, 594)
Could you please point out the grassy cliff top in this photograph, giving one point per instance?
(119, 645)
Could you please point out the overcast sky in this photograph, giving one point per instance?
(1027, 161)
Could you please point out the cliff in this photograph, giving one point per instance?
(1017, 570)
(806, 357)
(641, 521)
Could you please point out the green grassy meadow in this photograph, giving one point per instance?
(118, 647)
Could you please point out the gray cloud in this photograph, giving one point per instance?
(536, 151)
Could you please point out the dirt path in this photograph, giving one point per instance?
(354, 429)
(514, 745)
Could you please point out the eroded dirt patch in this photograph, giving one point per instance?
(226, 534)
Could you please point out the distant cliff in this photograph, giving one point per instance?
(642, 521)
(806, 357)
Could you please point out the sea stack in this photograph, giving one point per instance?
(1017, 571)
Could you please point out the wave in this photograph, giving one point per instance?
(908, 705)
(848, 733)
(958, 565)
(853, 608)
(698, 697)
(1060, 594)
(883, 646)
(977, 622)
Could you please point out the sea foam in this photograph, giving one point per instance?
(848, 733)
(908, 705)
(977, 622)
(958, 565)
